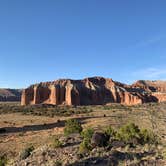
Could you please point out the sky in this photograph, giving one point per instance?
(44, 40)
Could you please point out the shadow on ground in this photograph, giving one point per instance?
(115, 159)
(38, 127)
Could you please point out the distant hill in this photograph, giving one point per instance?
(10, 94)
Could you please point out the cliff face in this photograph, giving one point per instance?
(89, 91)
(10, 94)
(155, 88)
(151, 86)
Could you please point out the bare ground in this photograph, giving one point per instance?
(23, 130)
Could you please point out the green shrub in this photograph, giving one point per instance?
(128, 133)
(109, 131)
(87, 133)
(148, 137)
(3, 160)
(58, 163)
(72, 126)
(164, 154)
(26, 152)
(56, 142)
(85, 145)
(131, 133)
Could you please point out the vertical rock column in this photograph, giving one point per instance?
(131, 99)
(114, 93)
(23, 98)
(53, 96)
(36, 99)
(68, 95)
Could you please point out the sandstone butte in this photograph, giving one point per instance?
(93, 91)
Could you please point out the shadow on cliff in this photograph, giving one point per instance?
(39, 127)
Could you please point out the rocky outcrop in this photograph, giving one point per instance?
(151, 86)
(157, 89)
(10, 94)
(93, 91)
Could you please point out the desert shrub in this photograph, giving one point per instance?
(56, 142)
(109, 131)
(87, 133)
(26, 152)
(57, 163)
(3, 160)
(42, 109)
(85, 145)
(129, 133)
(72, 126)
(148, 137)
(164, 154)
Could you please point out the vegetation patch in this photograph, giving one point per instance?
(109, 131)
(72, 126)
(56, 142)
(43, 109)
(130, 133)
(3, 160)
(58, 163)
(85, 145)
(26, 152)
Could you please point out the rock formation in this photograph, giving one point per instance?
(94, 91)
(155, 88)
(10, 94)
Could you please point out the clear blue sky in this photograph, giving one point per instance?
(42, 40)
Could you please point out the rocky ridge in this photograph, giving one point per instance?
(93, 91)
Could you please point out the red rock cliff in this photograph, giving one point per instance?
(157, 89)
(90, 91)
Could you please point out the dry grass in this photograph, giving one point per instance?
(23, 129)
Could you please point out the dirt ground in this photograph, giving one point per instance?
(23, 130)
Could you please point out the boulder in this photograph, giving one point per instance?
(99, 139)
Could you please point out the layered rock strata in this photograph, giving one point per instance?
(92, 91)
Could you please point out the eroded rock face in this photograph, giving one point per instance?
(157, 89)
(151, 86)
(92, 91)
